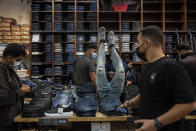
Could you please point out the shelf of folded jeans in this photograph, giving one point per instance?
(41, 63)
(86, 42)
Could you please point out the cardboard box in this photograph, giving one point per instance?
(16, 41)
(24, 33)
(25, 28)
(24, 37)
(6, 24)
(4, 28)
(15, 28)
(7, 37)
(15, 32)
(9, 20)
(7, 41)
(15, 37)
(25, 41)
(6, 33)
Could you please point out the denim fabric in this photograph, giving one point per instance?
(48, 38)
(48, 57)
(58, 26)
(58, 47)
(35, 17)
(48, 17)
(80, 48)
(125, 47)
(80, 8)
(80, 25)
(169, 48)
(35, 70)
(125, 26)
(93, 38)
(48, 7)
(134, 38)
(48, 71)
(117, 83)
(70, 26)
(70, 38)
(70, 57)
(136, 26)
(35, 47)
(81, 38)
(93, 7)
(70, 17)
(59, 80)
(58, 57)
(58, 38)
(35, 26)
(36, 7)
(63, 98)
(93, 26)
(69, 69)
(58, 16)
(126, 57)
(58, 7)
(70, 48)
(58, 70)
(70, 7)
(191, 26)
(48, 26)
(48, 48)
(92, 16)
(125, 37)
(169, 38)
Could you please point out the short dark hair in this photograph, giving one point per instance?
(154, 34)
(90, 46)
(14, 50)
(183, 46)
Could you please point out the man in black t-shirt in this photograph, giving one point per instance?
(166, 95)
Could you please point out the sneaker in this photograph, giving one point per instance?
(60, 110)
(101, 34)
(111, 39)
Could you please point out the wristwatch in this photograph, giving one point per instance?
(158, 124)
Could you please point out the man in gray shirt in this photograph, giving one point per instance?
(85, 67)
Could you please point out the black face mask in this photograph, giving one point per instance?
(141, 55)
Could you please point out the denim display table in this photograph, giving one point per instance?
(74, 123)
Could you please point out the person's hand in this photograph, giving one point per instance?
(111, 74)
(25, 88)
(128, 105)
(147, 125)
(67, 87)
(129, 83)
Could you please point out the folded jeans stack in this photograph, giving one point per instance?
(35, 70)
(70, 57)
(58, 47)
(80, 48)
(169, 38)
(58, 26)
(125, 26)
(48, 26)
(80, 8)
(136, 26)
(169, 48)
(48, 7)
(58, 70)
(126, 37)
(81, 38)
(70, 38)
(92, 16)
(58, 7)
(35, 17)
(58, 58)
(58, 16)
(59, 80)
(80, 25)
(125, 47)
(48, 17)
(93, 38)
(191, 26)
(36, 7)
(93, 26)
(70, 26)
(35, 26)
(58, 38)
(93, 6)
(69, 69)
(70, 16)
(70, 48)
(48, 71)
(126, 57)
(70, 7)
(48, 38)
(48, 57)
(35, 47)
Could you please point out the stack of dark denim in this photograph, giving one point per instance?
(69, 69)
(48, 57)
(59, 80)
(40, 103)
(80, 48)
(80, 55)
(58, 47)
(80, 25)
(36, 58)
(48, 7)
(35, 17)
(35, 47)
(93, 38)
(93, 7)
(86, 103)
(125, 47)
(70, 48)
(58, 7)
(80, 8)
(35, 26)
(135, 58)
(169, 38)
(169, 48)
(48, 38)
(70, 16)
(191, 26)
(93, 26)
(136, 26)
(70, 38)
(125, 26)
(70, 57)
(80, 16)
(58, 26)
(69, 83)
(58, 70)
(117, 41)
(36, 7)
(58, 58)
(58, 38)
(35, 70)
(48, 48)
(81, 38)
(134, 37)
(48, 26)
(126, 57)
(70, 7)
(92, 16)
(58, 16)
(48, 17)
(126, 37)
(70, 26)
(48, 71)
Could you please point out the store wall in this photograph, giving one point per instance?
(15, 9)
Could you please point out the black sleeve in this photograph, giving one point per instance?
(178, 84)
(7, 96)
(91, 66)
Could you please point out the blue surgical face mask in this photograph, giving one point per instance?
(16, 64)
(94, 56)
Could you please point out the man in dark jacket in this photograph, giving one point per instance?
(11, 89)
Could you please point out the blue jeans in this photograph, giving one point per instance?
(117, 83)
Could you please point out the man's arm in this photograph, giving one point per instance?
(177, 112)
(93, 77)
(132, 103)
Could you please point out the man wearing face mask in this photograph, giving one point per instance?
(131, 75)
(166, 93)
(11, 89)
(85, 67)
